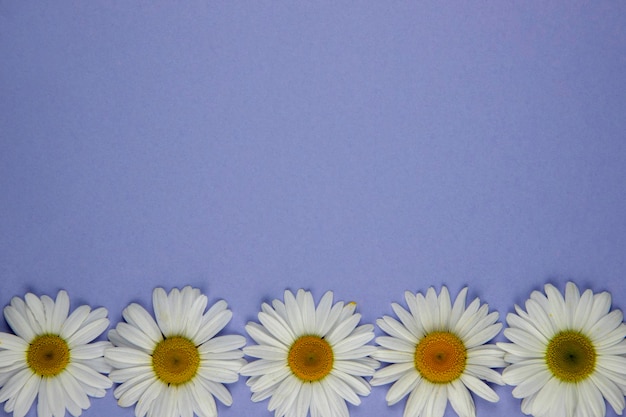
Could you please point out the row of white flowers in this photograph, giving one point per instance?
(566, 356)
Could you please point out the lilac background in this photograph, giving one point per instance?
(362, 147)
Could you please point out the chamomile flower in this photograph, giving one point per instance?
(311, 359)
(566, 354)
(174, 366)
(50, 356)
(438, 354)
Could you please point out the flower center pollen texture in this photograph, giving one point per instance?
(310, 358)
(48, 355)
(175, 360)
(570, 356)
(440, 357)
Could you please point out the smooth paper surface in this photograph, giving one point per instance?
(367, 148)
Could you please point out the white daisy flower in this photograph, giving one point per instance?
(174, 366)
(438, 354)
(567, 354)
(311, 360)
(50, 356)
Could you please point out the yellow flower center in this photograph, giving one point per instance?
(48, 355)
(310, 358)
(440, 357)
(571, 356)
(175, 360)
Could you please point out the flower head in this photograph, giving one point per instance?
(174, 366)
(311, 359)
(566, 354)
(50, 356)
(438, 354)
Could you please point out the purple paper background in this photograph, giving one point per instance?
(366, 148)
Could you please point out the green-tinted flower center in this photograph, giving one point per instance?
(175, 360)
(440, 357)
(310, 358)
(571, 356)
(48, 355)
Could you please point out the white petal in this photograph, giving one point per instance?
(457, 308)
(146, 401)
(87, 376)
(484, 373)
(445, 307)
(583, 309)
(395, 344)
(438, 401)
(90, 351)
(532, 384)
(322, 312)
(35, 308)
(353, 368)
(212, 326)
(460, 399)
(12, 342)
(61, 310)
(331, 320)
(405, 384)
(342, 330)
(136, 336)
(419, 400)
(260, 335)
(524, 340)
(223, 344)
(162, 312)
(88, 333)
(56, 399)
(15, 384)
(205, 404)
(18, 323)
(194, 316)
(123, 357)
(294, 315)
(11, 357)
(540, 319)
(393, 356)
(408, 321)
(601, 307)
(605, 325)
(572, 298)
(137, 316)
(610, 391)
(304, 401)
(266, 352)
(123, 375)
(342, 388)
(43, 408)
(394, 328)
(74, 321)
(26, 396)
(391, 373)
(354, 341)
(479, 388)
(133, 390)
(73, 390)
